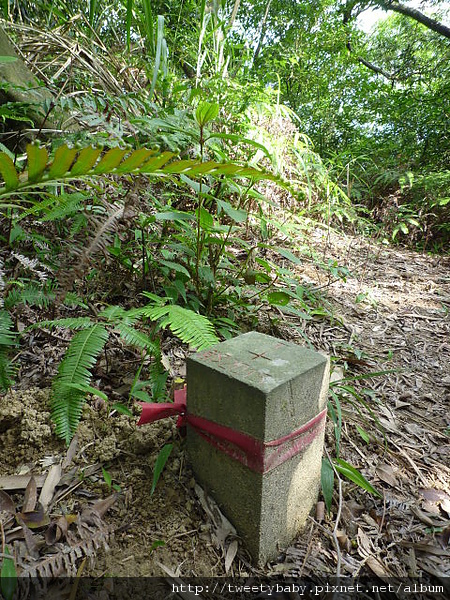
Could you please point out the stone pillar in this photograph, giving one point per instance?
(266, 389)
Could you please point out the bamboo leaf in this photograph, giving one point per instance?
(129, 17)
(237, 214)
(159, 45)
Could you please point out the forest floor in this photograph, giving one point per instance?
(400, 325)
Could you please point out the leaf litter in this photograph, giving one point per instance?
(401, 326)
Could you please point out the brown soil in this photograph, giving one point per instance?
(399, 324)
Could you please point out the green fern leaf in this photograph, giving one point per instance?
(30, 295)
(68, 323)
(72, 381)
(133, 337)
(192, 328)
(117, 314)
(7, 340)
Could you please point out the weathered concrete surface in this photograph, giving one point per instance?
(266, 388)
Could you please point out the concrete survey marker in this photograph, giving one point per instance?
(258, 406)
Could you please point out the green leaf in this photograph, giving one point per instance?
(344, 468)
(289, 255)
(122, 409)
(242, 140)
(175, 267)
(8, 172)
(64, 157)
(133, 337)
(156, 162)
(107, 477)
(8, 576)
(163, 455)
(206, 112)
(85, 161)
(327, 482)
(180, 166)
(365, 436)
(135, 160)
(37, 161)
(278, 298)
(237, 214)
(8, 59)
(87, 389)
(157, 544)
(206, 218)
(192, 328)
(129, 18)
(111, 159)
(174, 215)
(197, 186)
(72, 381)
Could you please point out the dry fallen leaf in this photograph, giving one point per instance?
(344, 541)
(48, 489)
(34, 519)
(386, 473)
(320, 511)
(30, 497)
(434, 495)
(230, 555)
(6, 503)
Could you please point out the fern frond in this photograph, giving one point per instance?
(34, 265)
(65, 205)
(72, 381)
(192, 328)
(117, 314)
(133, 337)
(68, 323)
(31, 295)
(7, 340)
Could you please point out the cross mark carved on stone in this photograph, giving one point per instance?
(260, 355)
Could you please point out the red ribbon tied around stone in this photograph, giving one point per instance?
(255, 454)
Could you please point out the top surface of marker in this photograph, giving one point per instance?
(260, 360)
